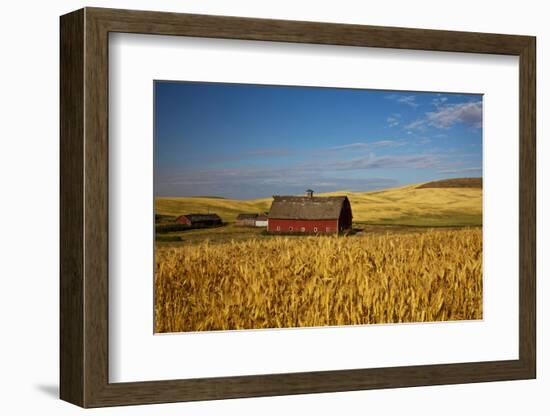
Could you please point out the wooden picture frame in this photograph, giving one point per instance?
(84, 207)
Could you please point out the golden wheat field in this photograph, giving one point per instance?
(283, 282)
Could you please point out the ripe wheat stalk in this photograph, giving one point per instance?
(285, 282)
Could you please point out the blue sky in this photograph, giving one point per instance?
(251, 141)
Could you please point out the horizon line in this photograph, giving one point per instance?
(320, 193)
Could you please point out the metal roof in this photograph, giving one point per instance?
(247, 216)
(307, 208)
(201, 217)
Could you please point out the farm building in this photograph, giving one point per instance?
(199, 220)
(246, 220)
(309, 214)
(261, 220)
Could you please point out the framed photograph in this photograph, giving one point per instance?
(255, 207)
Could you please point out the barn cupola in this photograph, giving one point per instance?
(309, 193)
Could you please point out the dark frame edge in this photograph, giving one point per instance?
(71, 291)
(528, 208)
(171, 391)
(294, 31)
(84, 189)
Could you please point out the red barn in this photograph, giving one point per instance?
(309, 214)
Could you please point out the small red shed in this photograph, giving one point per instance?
(309, 214)
(199, 220)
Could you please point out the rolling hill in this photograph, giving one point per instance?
(408, 205)
(454, 183)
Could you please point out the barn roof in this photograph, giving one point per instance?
(201, 217)
(246, 216)
(307, 208)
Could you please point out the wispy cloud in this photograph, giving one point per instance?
(416, 161)
(439, 101)
(409, 100)
(327, 175)
(252, 154)
(448, 115)
(268, 152)
(324, 175)
(416, 125)
(263, 182)
(463, 170)
(370, 145)
(394, 120)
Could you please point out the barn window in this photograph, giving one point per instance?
(290, 228)
(314, 229)
(303, 229)
(278, 228)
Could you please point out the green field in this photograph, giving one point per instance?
(403, 206)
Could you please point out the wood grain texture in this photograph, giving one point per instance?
(71, 213)
(96, 208)
(84, 207)
(527, 207)
(162, 23)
